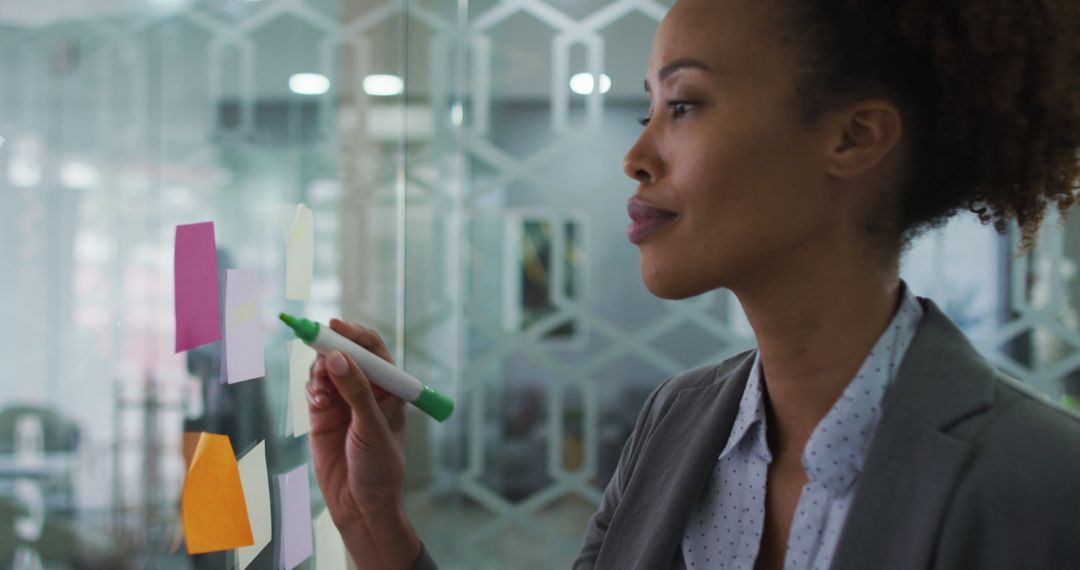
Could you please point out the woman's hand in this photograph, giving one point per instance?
(358, 447)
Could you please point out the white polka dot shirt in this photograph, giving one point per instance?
(724, 531)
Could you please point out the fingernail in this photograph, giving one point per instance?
(316, 390)
(337, 364)
(317, 397)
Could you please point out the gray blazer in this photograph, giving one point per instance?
(968, 468)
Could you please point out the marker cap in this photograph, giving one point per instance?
(434, 404)
(306, 330)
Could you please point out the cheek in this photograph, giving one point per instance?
(725, 192)
(746, 194)
(772, 161)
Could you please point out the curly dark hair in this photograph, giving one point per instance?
(989, 92)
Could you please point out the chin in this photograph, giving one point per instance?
(671, 285)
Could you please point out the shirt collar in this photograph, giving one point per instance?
(750, 420)
(837, 447)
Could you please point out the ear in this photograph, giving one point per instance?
(864, 134)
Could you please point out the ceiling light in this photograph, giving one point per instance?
(24, 172)
(309, 84)
(383, 85)
(76, 174)
(583, 83)
(27, 164)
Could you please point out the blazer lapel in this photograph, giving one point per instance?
(913, 462)
(672, 469)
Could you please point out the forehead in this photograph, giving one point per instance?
(722, 34)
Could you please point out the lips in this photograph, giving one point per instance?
(647, 219)
(640, 210)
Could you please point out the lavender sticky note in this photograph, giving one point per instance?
(195, 281)
(244, 358)
(295, 517)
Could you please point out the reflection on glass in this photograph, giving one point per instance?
(463, 191)
(551, 266)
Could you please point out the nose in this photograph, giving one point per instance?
(641, 162)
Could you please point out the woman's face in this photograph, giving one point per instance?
(724, 150)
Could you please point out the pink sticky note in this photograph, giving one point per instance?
(244, 357)
(296, 528)
(195, 279)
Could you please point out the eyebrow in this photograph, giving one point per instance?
(678, 65)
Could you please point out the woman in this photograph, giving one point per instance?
(792, 151)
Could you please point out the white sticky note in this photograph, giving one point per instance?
(329, 549)
(300, 358)
(300, 256)
(256, 484)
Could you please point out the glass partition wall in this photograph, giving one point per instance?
(120, 120)
(463, 163)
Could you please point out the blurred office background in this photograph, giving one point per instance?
(462, 159)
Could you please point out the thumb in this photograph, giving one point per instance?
(355, 389)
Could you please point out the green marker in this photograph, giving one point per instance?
(392, 379)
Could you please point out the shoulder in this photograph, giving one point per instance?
(1025, 455)
(706, 383)
(1017, 501)
(1023, 420)
(712, 377)
(708, 376)
(1024, 424)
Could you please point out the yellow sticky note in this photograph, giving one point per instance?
(256, 483)
(329, 549)
(300, 358)
(212, 505)
(300, 256)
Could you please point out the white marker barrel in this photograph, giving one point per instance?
(389, 377)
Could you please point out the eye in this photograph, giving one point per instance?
(644, 121)
(679, 108)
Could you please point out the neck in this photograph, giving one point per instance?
(813, 334)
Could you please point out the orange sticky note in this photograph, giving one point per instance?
(212, 506)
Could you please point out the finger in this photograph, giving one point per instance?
(355, 389)
(318, 366)
(320, 390)
(371, 341)
(364, 336)
(319, 360)
(394, 410)
(380, 393)
(319, 378)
